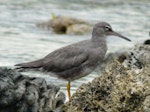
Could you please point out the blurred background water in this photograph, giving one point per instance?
(22, 41)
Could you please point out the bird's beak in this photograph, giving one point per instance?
(119, 35)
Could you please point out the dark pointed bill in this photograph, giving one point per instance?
(119, 35)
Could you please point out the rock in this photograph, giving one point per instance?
(79, 29)
(66, 25)
(124, 85)
(147, 42)
(19, 93)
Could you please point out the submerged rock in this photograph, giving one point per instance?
(19, 93)
(124, 85)
(66, 25)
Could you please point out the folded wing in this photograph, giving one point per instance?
(64, 59)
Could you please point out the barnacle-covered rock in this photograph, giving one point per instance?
(19, 93)
(66, 25)
(124, 85)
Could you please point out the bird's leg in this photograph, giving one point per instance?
(68, 89)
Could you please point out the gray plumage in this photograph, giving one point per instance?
(76, 60)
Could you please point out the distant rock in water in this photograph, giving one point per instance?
(19, 93)
(66, 25)
(124, 85)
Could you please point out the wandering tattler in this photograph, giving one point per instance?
(76, 60)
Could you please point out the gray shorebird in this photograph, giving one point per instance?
(76, 60)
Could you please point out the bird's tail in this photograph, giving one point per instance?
(30, 65)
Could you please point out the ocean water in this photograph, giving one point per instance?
(21, 41)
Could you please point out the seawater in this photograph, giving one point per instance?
(22, 41)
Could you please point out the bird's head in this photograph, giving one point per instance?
(103, 29)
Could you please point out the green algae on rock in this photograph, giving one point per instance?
(120, 88)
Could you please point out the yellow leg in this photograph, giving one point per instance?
(68, 89)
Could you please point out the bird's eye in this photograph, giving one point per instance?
(107, 28)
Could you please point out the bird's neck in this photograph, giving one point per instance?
(99, 41)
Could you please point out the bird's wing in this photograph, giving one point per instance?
(64, 59)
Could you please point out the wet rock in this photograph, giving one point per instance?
(19, 93)
(66, 25)
(124, 85)
(147, 42)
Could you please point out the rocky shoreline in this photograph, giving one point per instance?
(124, 86)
